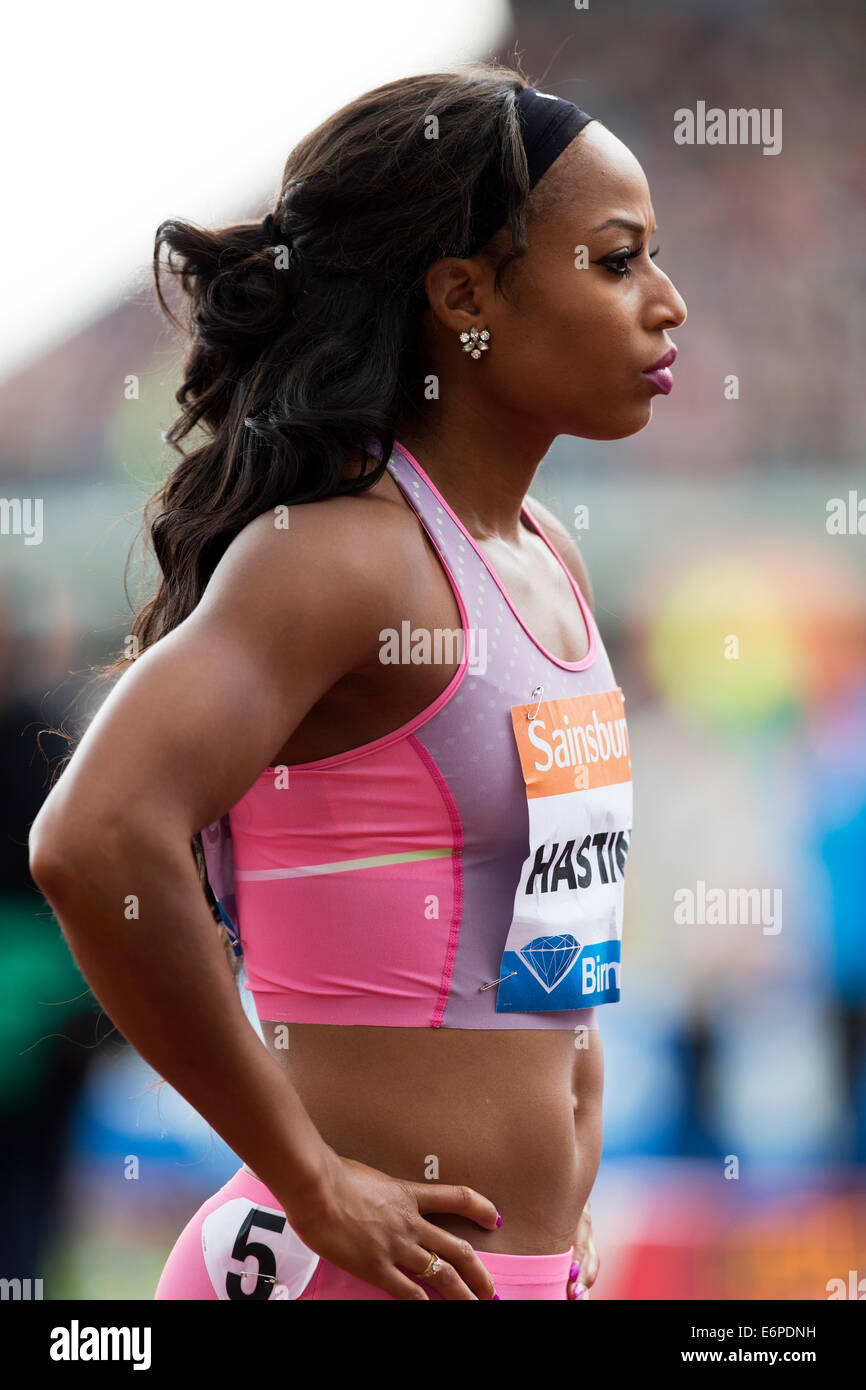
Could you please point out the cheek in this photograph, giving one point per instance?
(562, 361)
(568, 358)
(578, 323)
(567, 343)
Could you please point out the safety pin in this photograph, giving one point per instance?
(537, 692)
(497, 982)
(270, 1279)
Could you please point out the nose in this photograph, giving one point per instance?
(668, 308)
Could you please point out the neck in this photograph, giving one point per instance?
(483, 468)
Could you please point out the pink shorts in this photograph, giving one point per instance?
(240, 1246)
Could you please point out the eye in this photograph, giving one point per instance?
(617, 262)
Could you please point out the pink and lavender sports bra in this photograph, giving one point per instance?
(466, 870)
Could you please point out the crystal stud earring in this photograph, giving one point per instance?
(475, 341)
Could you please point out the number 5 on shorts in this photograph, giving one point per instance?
(243, 1248)
(283, 1259)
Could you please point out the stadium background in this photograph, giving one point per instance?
(730, 1043)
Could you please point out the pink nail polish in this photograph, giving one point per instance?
(499, 1218)
(573, 1272)
(495, 1296)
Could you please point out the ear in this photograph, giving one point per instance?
(457, 293)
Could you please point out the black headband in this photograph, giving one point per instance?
(547, 125)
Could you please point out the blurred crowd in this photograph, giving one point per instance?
(735, 1047)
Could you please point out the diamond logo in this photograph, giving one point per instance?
(549, 959)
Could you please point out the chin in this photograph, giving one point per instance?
(620, 428)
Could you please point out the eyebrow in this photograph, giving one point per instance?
(621, 222)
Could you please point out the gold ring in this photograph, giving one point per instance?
(433, 1267)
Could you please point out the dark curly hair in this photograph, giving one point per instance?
(304, 344)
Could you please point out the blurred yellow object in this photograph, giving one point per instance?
(739, 639)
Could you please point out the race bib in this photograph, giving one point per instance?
(252, 1253)
(218, 848)
(564, 943)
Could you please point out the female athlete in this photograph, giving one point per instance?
(367, 725)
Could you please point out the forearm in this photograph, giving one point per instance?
(133, 912)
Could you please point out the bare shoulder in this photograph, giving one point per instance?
(358, 548)
(565, 544)
(294, 604)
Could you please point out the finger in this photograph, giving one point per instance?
(461, 1255)
(446, 1281)
(589, 1266)
(584, 1271)
(459, 1200)
(398, 1285)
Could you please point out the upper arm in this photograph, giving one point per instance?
(193, 722)
(566, 546)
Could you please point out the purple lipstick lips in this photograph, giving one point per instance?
(659, 373)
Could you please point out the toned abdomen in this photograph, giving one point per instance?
(514, 1114)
